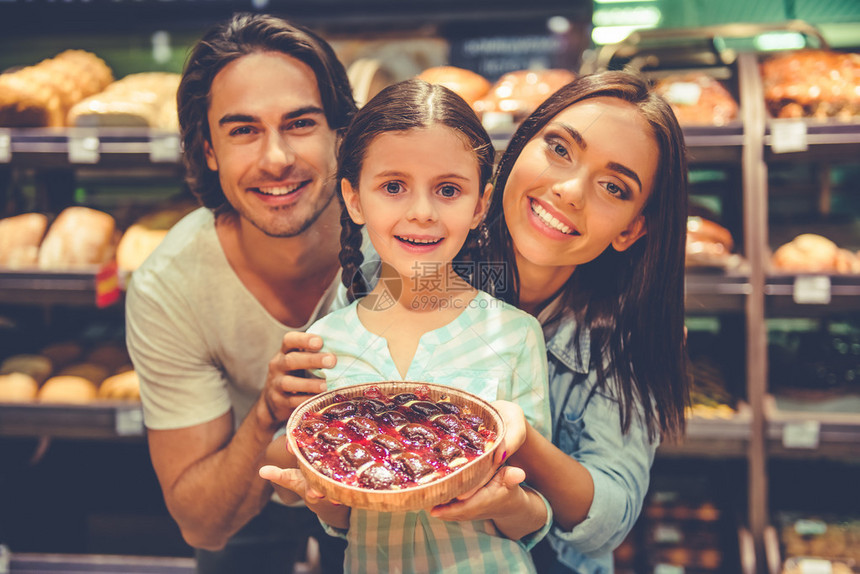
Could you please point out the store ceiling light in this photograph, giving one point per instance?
(603, 35)
(779, 41)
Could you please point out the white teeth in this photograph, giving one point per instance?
(420, 241)
(279, 190)
(551, 221)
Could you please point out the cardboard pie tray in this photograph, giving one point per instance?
(416, 497)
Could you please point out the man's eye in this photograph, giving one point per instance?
(303, 123)
(241, 131)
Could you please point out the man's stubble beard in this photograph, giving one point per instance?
(303, 226)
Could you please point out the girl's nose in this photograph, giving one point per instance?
(421, 208)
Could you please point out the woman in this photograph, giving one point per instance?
(589, 216)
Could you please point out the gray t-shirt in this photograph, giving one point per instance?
(199, 340)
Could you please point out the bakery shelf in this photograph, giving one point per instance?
(78, 287)
(77, 147)
(101, 420)
(713, 290)
(36, 563)
(714, 144)
(813, 429)
(812, 294)
(713, 437)
(811, 139)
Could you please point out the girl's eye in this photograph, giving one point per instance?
(448, 191)
(393, 187)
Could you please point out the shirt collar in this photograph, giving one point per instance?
(559, 328)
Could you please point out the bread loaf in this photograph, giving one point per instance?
(697, 98)
(807, 252)
(17, 388)
(92, 372)
(20, 236)
(79, 237)
(110, 355)
(67, 389)
(520, 93)
(63, 353)
(136, 245)
(812, 83)
(123, 386)
(146, 99)
(707, 242)
(41, 95)
(38, 367)
(465, 83)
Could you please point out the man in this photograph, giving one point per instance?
(260, 105)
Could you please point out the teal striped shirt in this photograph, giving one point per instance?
(492, 350)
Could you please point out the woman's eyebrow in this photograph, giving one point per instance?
(623, 169)
(574, 135)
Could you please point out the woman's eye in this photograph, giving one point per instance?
(393, 187)
(448, 191)
(616, 190)
(556, 147)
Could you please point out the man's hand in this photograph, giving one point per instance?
(329, 511)
(288, 384)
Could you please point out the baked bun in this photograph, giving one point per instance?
(20, 236)
(122, 386)
(808, 253)
(17, 388)
(465, 83)
(38, 367)
(109, 355)
(79, 237)
(136, 244)
(63, 353)
(697, 98)
(67, 389)
(90, 371)
(520, 93)
(146, 99)
(707, 242)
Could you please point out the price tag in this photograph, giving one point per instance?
(812, 290)
(667, 534)
(83, 148)
(668, 569)
(788, 136)
(107, 285)
(5, 146)
(164, 149)
(129, 422)
(809, 527)
(815, 566)
(684, 93)
(801, 435)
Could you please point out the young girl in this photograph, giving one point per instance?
(589, 213)
(414, 168)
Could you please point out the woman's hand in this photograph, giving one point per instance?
(288, 384)
(515, 510)
(515, 430)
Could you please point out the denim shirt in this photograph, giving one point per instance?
(589, 430)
